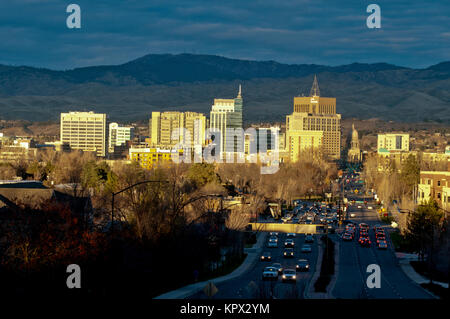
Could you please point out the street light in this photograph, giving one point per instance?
(123, 190)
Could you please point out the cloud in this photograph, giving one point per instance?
(302, 31)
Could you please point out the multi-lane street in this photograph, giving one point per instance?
(352, 262)
(251, 285)
(354, 259)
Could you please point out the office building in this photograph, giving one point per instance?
(164, 124)
(226, 115)
(314, 124)
(388, 142)
(85, 131)
(148, 157)
(119, 135)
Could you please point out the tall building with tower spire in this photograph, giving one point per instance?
(226, 114)
(314, 124)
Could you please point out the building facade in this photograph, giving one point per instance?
(435, 185)
(164, 124)
(354, 153)
(226, 114)
(393, 142)
(119, 135)
(313, 124)
(85, 131)
(148, 157)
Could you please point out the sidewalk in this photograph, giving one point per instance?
(404, 262)
(252, 257)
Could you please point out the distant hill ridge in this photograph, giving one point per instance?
(132, 90)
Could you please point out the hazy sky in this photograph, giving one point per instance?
(331, 32)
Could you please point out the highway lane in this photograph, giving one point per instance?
(354, 259)
(250, 285)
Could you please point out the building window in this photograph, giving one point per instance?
(438, 183)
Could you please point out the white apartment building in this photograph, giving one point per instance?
(119, 135)
(393, 142)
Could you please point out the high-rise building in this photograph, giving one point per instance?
(164, 124)
(119, 135)
(393, 142)
(313, 124)
(85, 131)
(225, 116)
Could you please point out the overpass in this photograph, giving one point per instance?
(286, 228)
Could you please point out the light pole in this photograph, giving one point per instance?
(123, 190)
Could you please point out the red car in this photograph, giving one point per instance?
(380, 234)
(382, 244)
(364, 226)
(364, 241)
(347, 236)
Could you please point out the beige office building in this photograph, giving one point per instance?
(85, 131)
(163, 124)
(313, 124)
(393, 142)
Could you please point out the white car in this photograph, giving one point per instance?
(273, 233)
(290, 235)
(369, 207)
(352, 215)
(270, 273)
(289, 275)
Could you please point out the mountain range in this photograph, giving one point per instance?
(166, 82)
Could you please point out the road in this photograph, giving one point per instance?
(250, 285)
(354, 259)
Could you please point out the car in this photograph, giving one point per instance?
(289, 275)
(382, 244)
(359, 206)
(290, 235)
(306, 249)
(369, 207)
(363, 233)
(272, 244)
(364, 241)
(278, 266)
(347, 236)
(302, 265)
(270, 273)
(379, 233)
(289, 243)
(364, 226)
(288, 252)
(273, 233)
(309, 239)
(266, 256)
(273, 239)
